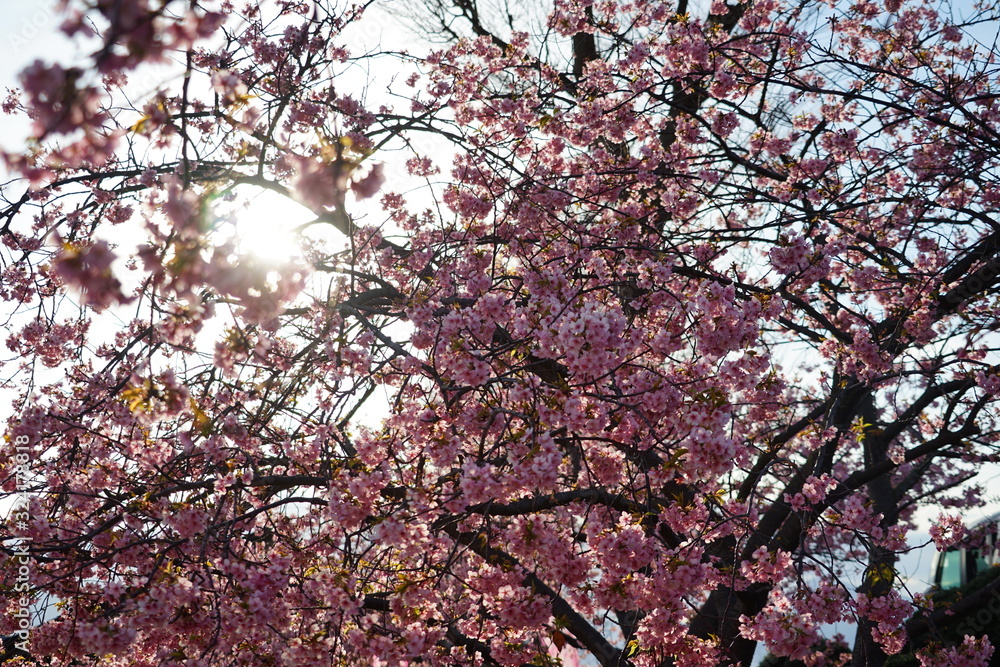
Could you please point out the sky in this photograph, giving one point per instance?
(28, 31)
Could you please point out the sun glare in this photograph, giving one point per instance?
(264, 226)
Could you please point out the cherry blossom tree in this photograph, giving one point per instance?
(653, 359)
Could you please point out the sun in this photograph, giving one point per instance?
(264, 225)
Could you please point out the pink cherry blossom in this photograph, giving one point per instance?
(665, 331)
